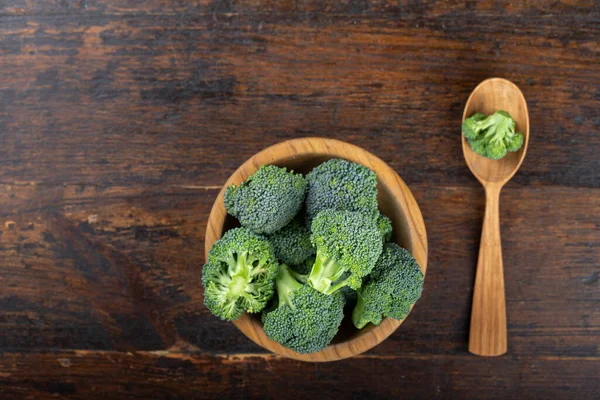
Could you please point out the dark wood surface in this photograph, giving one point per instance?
(119, 122)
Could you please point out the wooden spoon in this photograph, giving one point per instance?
(488, 316)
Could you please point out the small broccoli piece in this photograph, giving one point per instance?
(341, 185)
(305, 320)
(292, 245)
(268, 200)
(346, 241)
(239, 274)
(492, 136)
(385, 227)
(393, 287)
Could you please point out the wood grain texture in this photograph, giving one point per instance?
(260, 78)
(487, 335)
(120, 122)
(394, 199)
(101, 375)
(552, 290)
(488, 316)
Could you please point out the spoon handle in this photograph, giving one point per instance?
(488, 316)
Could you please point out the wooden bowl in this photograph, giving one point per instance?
(395, 200)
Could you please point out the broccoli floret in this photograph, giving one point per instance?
(346, 241)
(385, 227)
(492, 136)
(268, 200)
(239, 274)
(304, 320)
(341, 185)
(393, 287)
(292, 245)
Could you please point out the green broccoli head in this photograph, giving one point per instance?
(393, 287)
(492, 136)
(305, 320)
(346, 242)
(292, 244)
(239, 274)
(268, 200)
(341, 185)
(385, 227)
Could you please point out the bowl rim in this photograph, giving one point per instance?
(370, 336)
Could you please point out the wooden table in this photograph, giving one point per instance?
(120, 122)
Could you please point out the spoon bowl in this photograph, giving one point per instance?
(487, 335)
(488, 97)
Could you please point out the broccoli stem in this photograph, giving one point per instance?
(324, 272)
(334, 288)
(236, 282)
(300, 277)
(237, 286)
(357, 319)
(239, 276)
(236, 263)
(286, 284)
(491, 121)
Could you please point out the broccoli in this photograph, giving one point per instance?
(385, 227)
(392, 288)
(268, 200)
(239, 274)
(292, 245)
(492, 136)
(346, 241)
(341, 185)
(305, 320)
